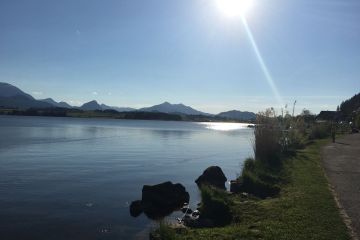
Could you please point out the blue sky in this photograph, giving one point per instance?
(139, 53)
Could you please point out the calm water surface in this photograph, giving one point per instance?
(69, 178)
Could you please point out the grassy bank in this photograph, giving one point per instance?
(304, 209)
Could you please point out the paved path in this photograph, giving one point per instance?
(342, 166)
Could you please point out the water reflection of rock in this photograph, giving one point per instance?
(160, 200)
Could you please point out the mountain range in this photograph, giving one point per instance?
(56, 104)
(13, 97)
(167, 107)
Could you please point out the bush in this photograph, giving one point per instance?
(258, 182)
(257, 176)
(267, 144)
(320, 131)
(357, 120)
(296, 140)
(249, 164)
(214, 206)
(275, 139)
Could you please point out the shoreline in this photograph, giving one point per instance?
(123, 116)
(305, 208)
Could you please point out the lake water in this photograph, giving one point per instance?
(71, 178)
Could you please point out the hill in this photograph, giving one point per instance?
(167, 107)
(119, 109)
(13, 97)
(238, 115)
(8, 90)
(347, 107)
(91, 106)
(56, 104)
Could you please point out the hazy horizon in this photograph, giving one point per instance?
(141, 53)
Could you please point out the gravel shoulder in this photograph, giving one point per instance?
(341, 162)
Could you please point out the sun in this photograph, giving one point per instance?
(234, 8)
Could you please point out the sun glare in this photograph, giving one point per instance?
(225, 126)
(234, 8)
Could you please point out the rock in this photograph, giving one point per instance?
(212, 176)
(162, 199)
(136, 208)
(196, 213)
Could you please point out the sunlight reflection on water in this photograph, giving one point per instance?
(225, 126)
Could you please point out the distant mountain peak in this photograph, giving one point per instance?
(50, 100)
(91, 106)
(167, 107)
(8, 90)
(13, 97)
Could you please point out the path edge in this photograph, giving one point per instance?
(343, 213)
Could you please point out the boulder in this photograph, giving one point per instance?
(136, 208)
(165, 194)
(160, 200)
(212, 176)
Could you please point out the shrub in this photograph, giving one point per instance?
(267, 144)
(357, 120)
(320, 131)
(296, 140)
(249, 164)
(214, 206)
(259, 182)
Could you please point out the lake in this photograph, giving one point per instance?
(72, 178)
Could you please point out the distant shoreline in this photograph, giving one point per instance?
(112, 114)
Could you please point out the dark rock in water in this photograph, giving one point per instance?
(212, 176)
(136, 208)
(160, 200)
(165, 194)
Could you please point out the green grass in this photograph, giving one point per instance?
(305, 208)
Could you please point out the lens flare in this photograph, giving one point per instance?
(262, 64)
(234, 8)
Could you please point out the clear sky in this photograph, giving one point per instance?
(138, 53)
